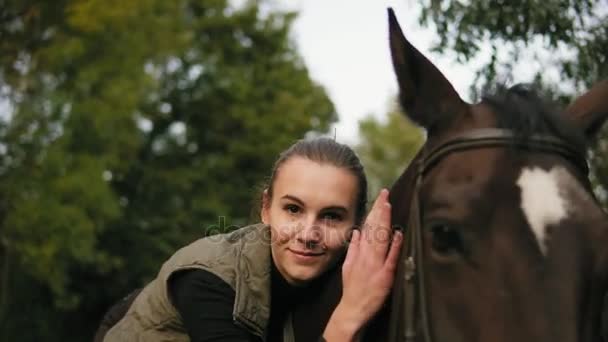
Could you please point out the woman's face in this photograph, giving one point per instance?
(311, 214)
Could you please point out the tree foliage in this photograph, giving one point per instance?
(386, 148)
(129, 128)
(569, 37)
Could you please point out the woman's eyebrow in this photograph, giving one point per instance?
(293, 198)
(300, 202)
(336, 208)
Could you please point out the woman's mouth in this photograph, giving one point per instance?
(305, 256)
(306, 253)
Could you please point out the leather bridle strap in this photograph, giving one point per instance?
(414, 289)
(414, 270)
(497, 137)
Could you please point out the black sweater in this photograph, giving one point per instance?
(205, 303)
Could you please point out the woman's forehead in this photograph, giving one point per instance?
(319, 183)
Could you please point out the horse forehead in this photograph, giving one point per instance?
(461, 180)
(546, 200)
(471, 169)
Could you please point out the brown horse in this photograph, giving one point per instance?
(508, 241)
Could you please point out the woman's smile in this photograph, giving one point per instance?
(305, 256)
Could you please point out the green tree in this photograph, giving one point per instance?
(386, 148)
(130, 129)
(569, 37)
(71, 89)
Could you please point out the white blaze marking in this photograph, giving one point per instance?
(541, 200)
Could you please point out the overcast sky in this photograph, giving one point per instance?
(345, 45)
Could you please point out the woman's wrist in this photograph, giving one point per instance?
(342, 325)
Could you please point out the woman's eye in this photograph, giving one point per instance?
(332, 216)
(292, 208)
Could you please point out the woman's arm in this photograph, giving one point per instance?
(367, 273)
(205, 303)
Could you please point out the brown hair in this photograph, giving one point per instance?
(326, 151)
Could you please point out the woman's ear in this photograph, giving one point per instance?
(265, 210)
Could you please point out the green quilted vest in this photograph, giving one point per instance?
(241, 258)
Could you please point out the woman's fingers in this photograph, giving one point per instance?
(372, 216)
(353, 251)
(392, 258)
(377, 228)
(367, 276)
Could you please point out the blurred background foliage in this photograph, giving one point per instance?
(387, 146)
(130, 128)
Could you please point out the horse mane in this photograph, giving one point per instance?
(523, 110)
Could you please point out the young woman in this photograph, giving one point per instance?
(241, 286)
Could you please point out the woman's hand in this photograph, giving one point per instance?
(367, 273)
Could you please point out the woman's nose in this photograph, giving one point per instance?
(310, 232)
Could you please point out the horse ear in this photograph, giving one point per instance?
(427, 97)
(590, 110)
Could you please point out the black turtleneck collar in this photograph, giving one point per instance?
(285, 297)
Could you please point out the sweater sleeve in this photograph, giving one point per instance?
(205, 303)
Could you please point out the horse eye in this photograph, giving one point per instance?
(446, 239)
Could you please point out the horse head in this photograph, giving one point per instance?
(513, 244)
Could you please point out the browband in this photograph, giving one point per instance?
(498, 137)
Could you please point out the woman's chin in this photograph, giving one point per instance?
(301, 277)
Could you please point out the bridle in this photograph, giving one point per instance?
(410, 294)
